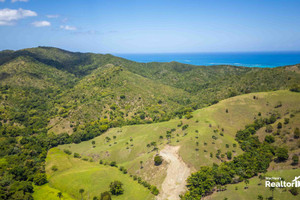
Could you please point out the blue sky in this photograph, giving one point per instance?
(151, 26)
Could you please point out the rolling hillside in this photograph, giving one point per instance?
(209, 130)
(132, 111)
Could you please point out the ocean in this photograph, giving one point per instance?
(257, 59)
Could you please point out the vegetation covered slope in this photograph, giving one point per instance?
(49, 97)
(208, 137)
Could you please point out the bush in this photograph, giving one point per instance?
(154, 190)
(279, 125)
(113, 163)
(158, 160)
(116, 188)
(40, 179)
(296, 133)
(295, 159)
(54, 168)
(77, 155)
(269, 139)
(105, 196)
(294, 191)
(282, 154)
(67, 151)
(229, 155)
(185, 127)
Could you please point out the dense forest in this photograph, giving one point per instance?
(49, 97)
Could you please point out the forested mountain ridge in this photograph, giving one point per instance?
(83, 87)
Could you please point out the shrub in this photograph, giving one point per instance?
(185, 127)
(295, 159)
(40, 179)
(279, 125)
(76, 155)
(229, 155)
(269, 139)
(282, 154)
(294, 191)
(105, 196)
(154, 190)
(113, 163)
(296, 133)
(54, 168)
(286, 120)
(158, 160)
(116, 188)
(67, 151)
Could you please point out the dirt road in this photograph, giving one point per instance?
(177, 173)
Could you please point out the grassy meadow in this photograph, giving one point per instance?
(128, 145)
(257, 187)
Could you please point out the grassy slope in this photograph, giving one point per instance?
(74, 174)
(46, 192)
(255, 189)
(241, 111)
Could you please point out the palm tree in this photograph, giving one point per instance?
(59, 195)
(81, 191)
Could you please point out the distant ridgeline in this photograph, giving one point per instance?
(45, 91)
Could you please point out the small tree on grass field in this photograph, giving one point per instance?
(105, 196)
(81, 191)
(158, 160)
(246, 182)
(295, 159)
(116, 188)
(59, 195)
(260, 197)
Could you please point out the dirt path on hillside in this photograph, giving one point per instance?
(177, 173)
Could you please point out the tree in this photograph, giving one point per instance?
(261, 177)
(296, 133)
(158, 160)
(59, 195)
(105, 196)
(269, 139)
(141, 162)
(246, 182)
(294, 191)
(229, 155)
(279, 125)
(81, 191)
(116, 188)
(40, 179)
(282, 154)
(260, 197)
(269, 128)
(295, 159)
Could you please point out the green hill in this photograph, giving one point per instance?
(51, 97)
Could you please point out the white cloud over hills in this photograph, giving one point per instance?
(10, 16)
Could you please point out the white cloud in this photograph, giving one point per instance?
(9, 16)
(52, 16)
(19, 0)
(41, 23)
(68, 28)
(2, 0)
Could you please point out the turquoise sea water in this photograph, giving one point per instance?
(261, 59)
